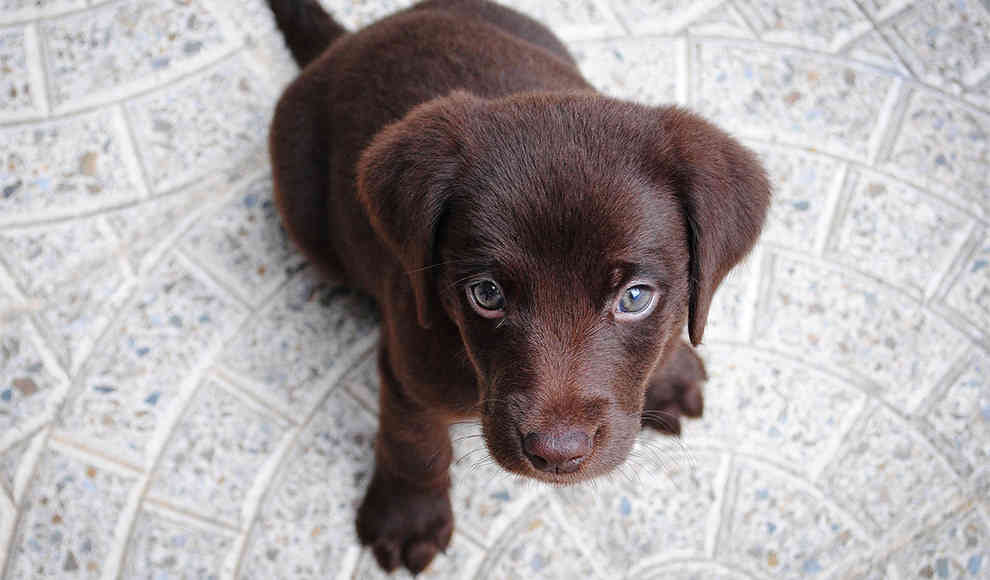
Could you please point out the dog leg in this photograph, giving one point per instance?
(675, 390)
(406, 516)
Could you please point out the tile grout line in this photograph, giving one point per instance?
(958, 203)
(8, 520)
(831, 449)
(37, 71)
(233, 384)
(130, 94)
(747, 320)
(747, 22)
(48, 104)
(888, 122)
(8, 546)
(167, 510)
(211, 205)
(860, 384)
(155, 450)
(36, 14)
(261, 486)
(715, 515)
(941, 388)
(556, 512)
(884, 18)
(836, 202)
(942, 283)
(129, 151)
(762, 286)
(207, 277)
(730, 497)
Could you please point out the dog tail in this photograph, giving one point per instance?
(307, 27)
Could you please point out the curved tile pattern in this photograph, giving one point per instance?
(181, 397)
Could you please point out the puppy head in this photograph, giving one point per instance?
(569, 238)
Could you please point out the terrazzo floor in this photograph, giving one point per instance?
(181, 398)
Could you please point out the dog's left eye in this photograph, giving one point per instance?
(487, 299)
(636, 299)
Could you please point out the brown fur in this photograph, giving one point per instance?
(456, 141)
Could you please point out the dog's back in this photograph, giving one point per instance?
(354, 84)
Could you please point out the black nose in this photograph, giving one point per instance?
(557, 452)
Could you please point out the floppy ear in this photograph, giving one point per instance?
(403, 180)
(724, 192)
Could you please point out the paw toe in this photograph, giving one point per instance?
(418, 554)
(387, 554)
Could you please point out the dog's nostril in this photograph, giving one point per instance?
(560, 452)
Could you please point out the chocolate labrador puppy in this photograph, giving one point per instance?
(535, 248)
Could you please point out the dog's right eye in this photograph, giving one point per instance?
(487, 299)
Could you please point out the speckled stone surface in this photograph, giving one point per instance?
(182, 397)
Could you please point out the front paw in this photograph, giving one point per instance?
(675, 390)
(404, 525)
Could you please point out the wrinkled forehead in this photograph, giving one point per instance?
(575, 227)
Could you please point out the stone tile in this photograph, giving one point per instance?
(27, 381)
(663, 509)
(765, 404)
(537, 547)
(363, 382)
(354, 14)
(215, 452)
(883, 9)
(17, 96)
(957, 548)
(812, 101)
(727, 314)
(802, 183)
(961, 417)
(570, 20)
(74, 269)
(169, 547)
(10, 461)
(146, 229)
(885, 471)
(64, 167)
(14, 10)
(641, 70)
(692, 571)
(136, 373)
(782, 528)
(661, 16)
(723, 21)
(245, 243)
(181, 134)
(861, 569)
(486, 498)
(979, 94)
(68, 519)
(816, 25)
(969, 294)
(896, 232)
(264, 41)
(872, 48)
(856, 326)
(943, 146)
(118, 47)
(271, 54)
(305, 525)
(461, 560)
(308, 330)
(8, 519)
(946, 42)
